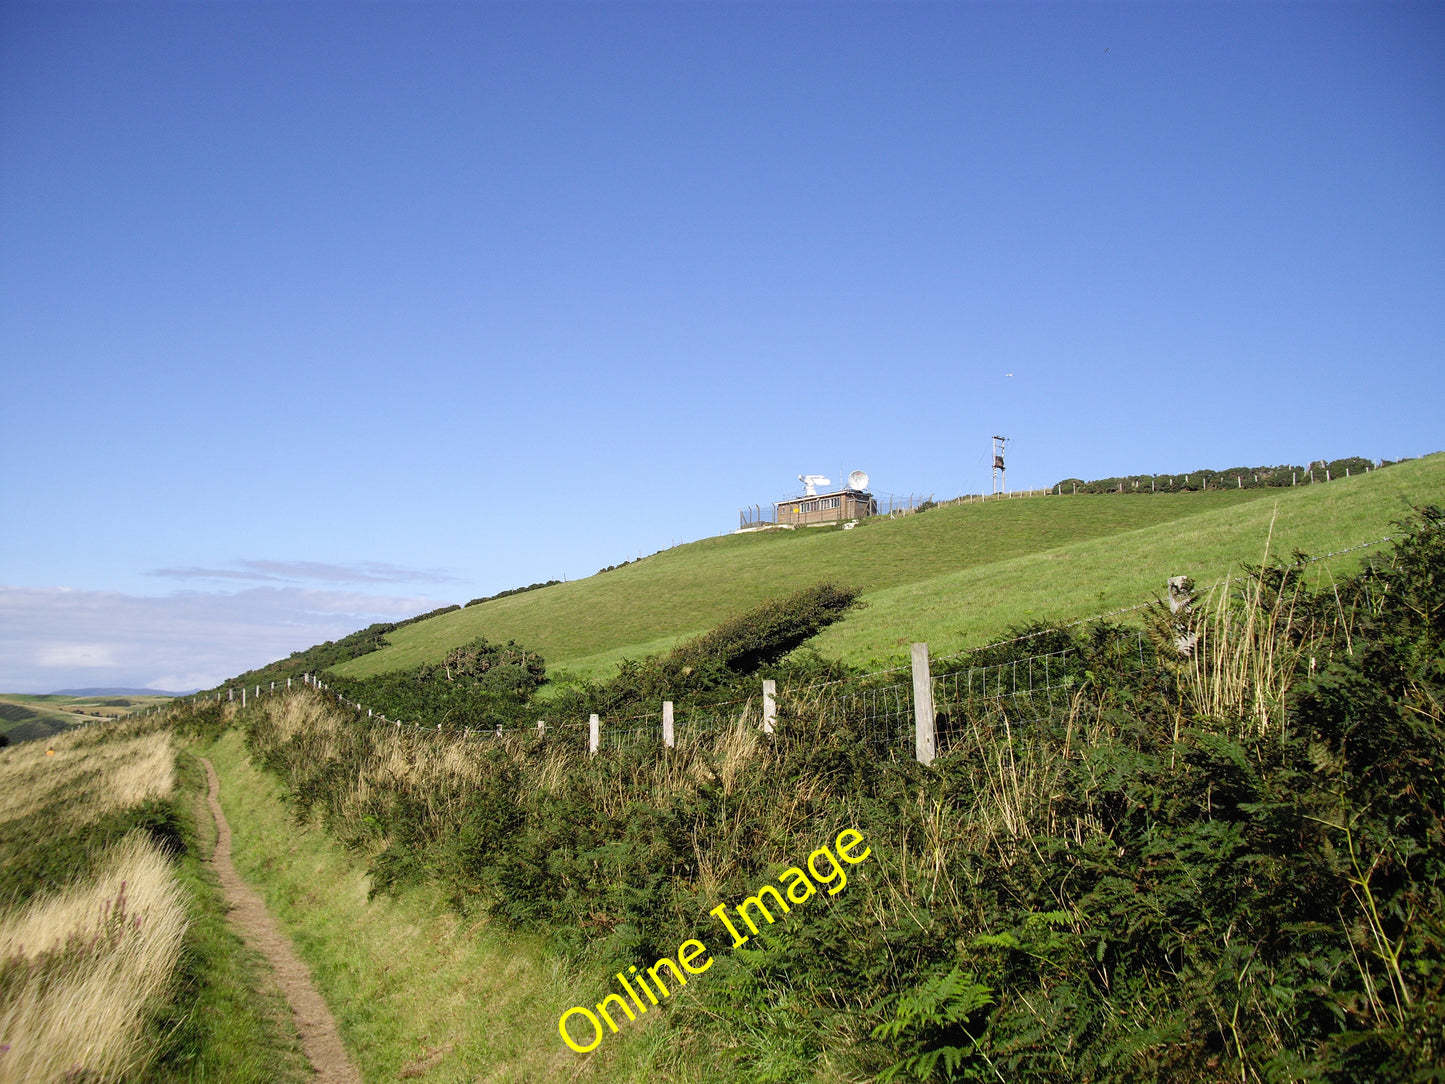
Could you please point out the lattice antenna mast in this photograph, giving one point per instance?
(1000, 480)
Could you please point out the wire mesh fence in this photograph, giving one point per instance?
(879, 714)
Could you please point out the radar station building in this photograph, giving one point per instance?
(853, 501)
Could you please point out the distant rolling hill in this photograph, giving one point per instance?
(28, 717)
(954, 576)
(120, 692)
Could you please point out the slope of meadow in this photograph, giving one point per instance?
(952, 575)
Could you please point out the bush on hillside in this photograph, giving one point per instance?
(479, 685)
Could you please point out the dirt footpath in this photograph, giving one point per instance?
(319, 1036)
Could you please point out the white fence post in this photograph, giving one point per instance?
(243, 696)
(541, 728)
(667, 723)
(924, 740)
(592, 735)
(770, 705)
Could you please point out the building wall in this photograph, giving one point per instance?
(825, 508)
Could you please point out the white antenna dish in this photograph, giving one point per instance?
(858, 480)
(811, 480)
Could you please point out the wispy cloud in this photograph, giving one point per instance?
(262, 571)
(54, 637)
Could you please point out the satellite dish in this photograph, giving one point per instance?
(811, 480)
(858, 480)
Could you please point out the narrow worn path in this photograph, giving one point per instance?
(319, 1036)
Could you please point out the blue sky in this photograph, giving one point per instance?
(318, 314)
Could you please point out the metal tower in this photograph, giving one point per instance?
(1000, 480)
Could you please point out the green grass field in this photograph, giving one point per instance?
(954, 576)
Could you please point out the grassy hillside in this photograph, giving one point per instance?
(974, 605)
(950, 575)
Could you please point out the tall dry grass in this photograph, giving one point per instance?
(78, 970)
(94, 771)
(439, 775)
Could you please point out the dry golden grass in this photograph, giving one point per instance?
(94, 771)
(1247, 652)
(441, 773)
(78, 969)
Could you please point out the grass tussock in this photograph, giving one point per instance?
(79, 969)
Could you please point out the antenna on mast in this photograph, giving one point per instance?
(1000, 480)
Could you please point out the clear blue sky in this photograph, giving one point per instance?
(314, 314)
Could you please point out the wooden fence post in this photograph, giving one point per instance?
(592, 735)
(243, 696)
(541, 728)
(924, 739)
(667, 739)
(770, 705)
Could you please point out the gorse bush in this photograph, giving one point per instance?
(479, 685)
(1225, 864)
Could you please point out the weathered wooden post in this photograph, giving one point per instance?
(770, 705)
(667, 739)
(593, 735)
(924, 739)
(541, 728)
(243, 696)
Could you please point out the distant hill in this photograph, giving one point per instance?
(30, 717)
(120, 692)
